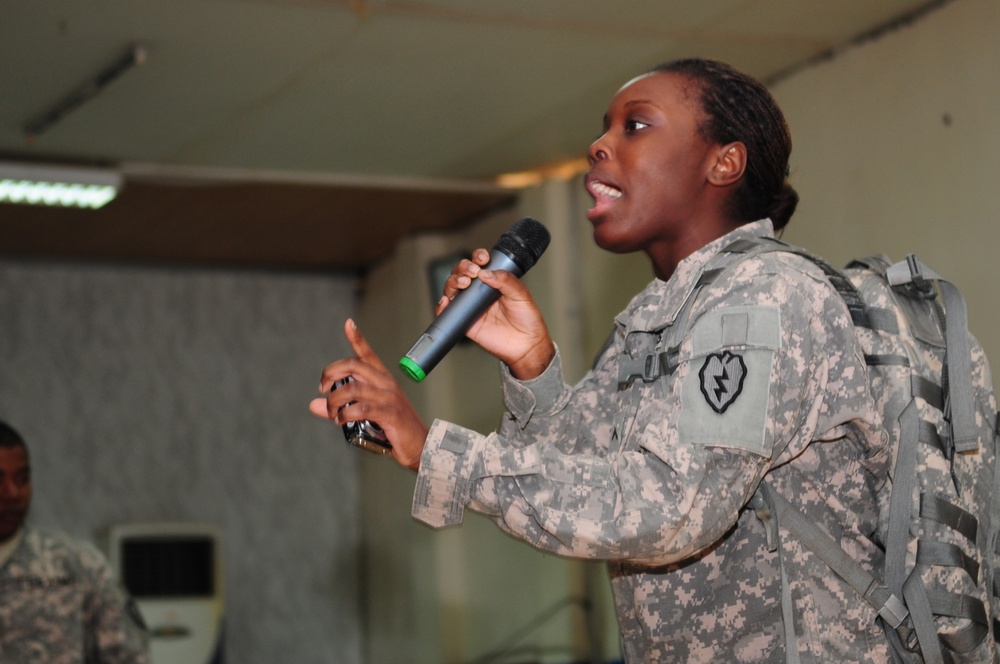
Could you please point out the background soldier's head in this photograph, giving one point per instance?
(15, 482)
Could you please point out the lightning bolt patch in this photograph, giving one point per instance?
(722, 377)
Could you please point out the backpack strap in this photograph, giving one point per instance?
(960, 406)
(921, 624)
(993, 579)
(889, 607)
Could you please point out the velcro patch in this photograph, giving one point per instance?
(727, 378)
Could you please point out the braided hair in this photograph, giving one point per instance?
(740, 108)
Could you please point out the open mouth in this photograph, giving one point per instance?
(605, 195)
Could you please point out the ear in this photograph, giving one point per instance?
(730, 162)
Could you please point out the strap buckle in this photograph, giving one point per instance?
(648, 368)
(893, 611)
(918, 280)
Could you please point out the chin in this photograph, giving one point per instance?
(609, 242)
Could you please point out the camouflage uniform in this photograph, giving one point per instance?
(60, 604)
(655, 476)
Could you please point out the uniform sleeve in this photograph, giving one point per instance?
(115, 631)
(750, 388)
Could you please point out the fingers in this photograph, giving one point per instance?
(460, 278)
(353, 399)
(463, 274)
(481, 256)
(366, 364)
(360, 345)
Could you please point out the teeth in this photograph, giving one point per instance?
(602, 189)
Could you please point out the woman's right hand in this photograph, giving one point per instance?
(512, 328)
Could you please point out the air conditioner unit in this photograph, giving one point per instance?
(174, 573)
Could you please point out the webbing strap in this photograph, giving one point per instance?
(852, 298)
(929, 435)
(961, 606)
(961, 396)
(927, 390)
(904, 482)
(923, 619)
(888, 606)
(848, 292)
(940, 510)
(883, 320)
(767, 509)
(887, 360)
(959, 348)
(934, 552)
(904, 485)
(994, 531)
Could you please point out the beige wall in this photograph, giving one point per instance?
(894, 147)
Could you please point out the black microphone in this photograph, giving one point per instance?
(516, 252)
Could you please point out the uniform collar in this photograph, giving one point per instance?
(658, 305)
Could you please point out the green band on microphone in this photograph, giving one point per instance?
(412, 369)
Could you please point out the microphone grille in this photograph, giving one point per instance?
(525, 242)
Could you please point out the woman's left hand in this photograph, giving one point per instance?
(373, 395)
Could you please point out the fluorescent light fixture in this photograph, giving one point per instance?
(60, 186)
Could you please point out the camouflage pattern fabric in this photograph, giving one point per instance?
(60, 604)
(765, 377)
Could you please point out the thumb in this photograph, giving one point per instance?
(319, 408)
(509, 286)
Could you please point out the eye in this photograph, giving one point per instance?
(632, 126)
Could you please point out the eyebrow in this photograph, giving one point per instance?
(629, 103)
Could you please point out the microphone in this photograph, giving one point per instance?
(516, 252)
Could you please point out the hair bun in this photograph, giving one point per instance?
(783, 206)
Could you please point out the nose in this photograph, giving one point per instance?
(598, 150)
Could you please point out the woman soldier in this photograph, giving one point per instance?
(758, 374)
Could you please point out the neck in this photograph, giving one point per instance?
(667, 257)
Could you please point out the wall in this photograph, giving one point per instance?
(894, 147)
(149, 394)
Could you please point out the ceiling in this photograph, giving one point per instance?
(313, 134)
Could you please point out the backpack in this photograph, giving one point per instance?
(938, 597)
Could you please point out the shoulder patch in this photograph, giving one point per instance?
(722, 375)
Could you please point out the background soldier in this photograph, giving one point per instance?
(59, 600)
